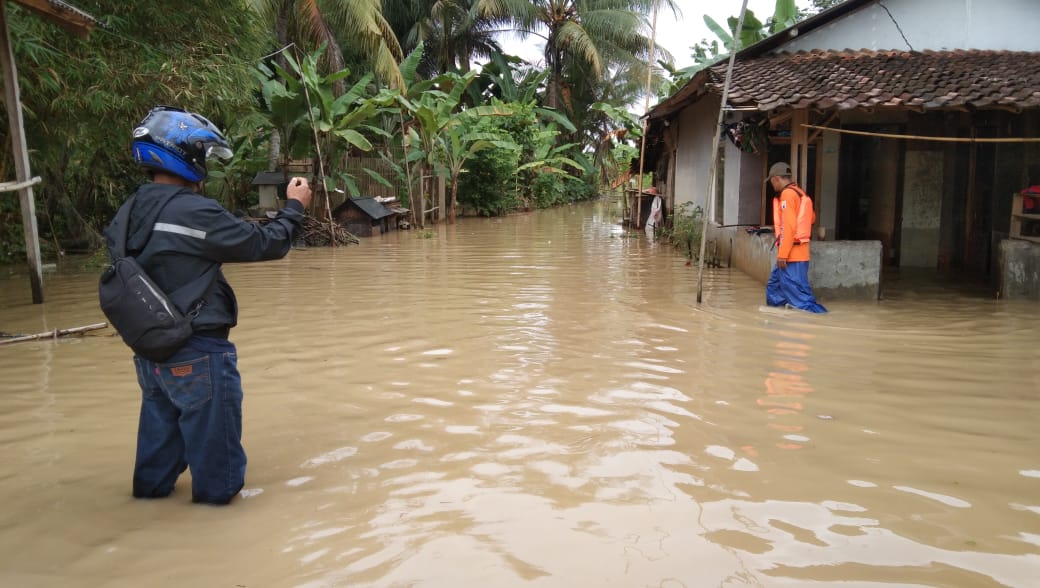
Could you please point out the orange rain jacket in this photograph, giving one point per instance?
(793, 218)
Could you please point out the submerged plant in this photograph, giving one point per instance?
(686, 228)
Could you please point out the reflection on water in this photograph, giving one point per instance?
(538, 400)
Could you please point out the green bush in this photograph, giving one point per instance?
(548, 190)
(487, 185)
(585, 188)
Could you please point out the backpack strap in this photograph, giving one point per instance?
(798, 189)
(119, 245)
(122, 221)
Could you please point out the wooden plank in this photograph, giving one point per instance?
(799, 146)
(20, 154)
(62, 14)
(1021, 220)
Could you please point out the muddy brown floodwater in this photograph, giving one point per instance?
(538, 400)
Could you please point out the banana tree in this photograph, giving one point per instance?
(303, 106)
(430, 113)
(456, 145)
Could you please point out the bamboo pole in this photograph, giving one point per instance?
(646, 114)
(321, 160)
(20, 152)
(54, 334)
(715, 146)
(928, 138)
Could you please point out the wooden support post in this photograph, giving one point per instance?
(800, 146)
(20, 153)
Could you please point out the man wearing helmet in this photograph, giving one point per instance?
(191, 408)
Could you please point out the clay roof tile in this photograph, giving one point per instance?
(853, 79)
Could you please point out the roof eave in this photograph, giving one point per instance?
(63, 14)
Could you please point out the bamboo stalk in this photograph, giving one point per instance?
(710, 192)
(321, 161)
(54, 334)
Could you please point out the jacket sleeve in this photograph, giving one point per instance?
(227, 238)
(789, 211)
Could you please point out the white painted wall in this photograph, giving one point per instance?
(1010, 25)
(697, 123)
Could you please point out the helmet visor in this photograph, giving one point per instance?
(218, 151)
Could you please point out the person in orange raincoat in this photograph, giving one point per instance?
(793, 217)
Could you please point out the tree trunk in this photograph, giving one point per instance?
(454, 193)
(552, 97)
(274, 155)
(281, 28)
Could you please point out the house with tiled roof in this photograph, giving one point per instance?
(913, 123)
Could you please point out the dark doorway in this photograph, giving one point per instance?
(870, 191)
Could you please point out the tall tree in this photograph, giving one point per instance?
(312, 23)
(593, 35)
(451, 31)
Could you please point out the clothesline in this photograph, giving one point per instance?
(925, 138)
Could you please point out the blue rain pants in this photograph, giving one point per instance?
(790, 286)
(191, 417)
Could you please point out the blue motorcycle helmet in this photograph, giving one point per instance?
(177, 141)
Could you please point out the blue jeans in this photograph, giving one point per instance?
(790, 285)
(191, 416)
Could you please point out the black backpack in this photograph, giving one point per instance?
(140, 311)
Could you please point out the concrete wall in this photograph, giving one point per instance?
(1019, 269)
(848, 270)
(931, 24)
(697, 125)
(922, 208)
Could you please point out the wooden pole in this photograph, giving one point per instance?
(53, 334)
(321, 160)
(646, 114)
(19, 150)
(715, 147)
(800, 146)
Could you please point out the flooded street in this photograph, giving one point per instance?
(538, 400)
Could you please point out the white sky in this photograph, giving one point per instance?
(676, 34)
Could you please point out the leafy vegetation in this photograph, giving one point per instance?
(686, 229)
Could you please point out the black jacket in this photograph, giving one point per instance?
(183, 245)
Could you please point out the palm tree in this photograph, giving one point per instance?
(451, 31)
(593, 36)
(311, 23)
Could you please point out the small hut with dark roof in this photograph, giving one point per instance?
(365, 217)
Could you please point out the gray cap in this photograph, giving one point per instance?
(779, 168)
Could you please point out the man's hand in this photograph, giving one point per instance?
(300, 190)
(781, 263)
